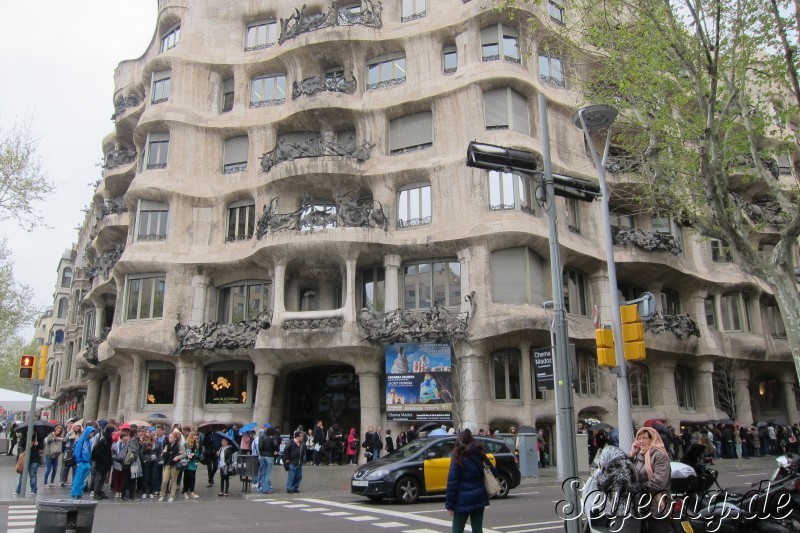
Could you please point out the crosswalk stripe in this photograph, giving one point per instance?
(295, 506)
(337, 513)
(390, 524)
(21, 511)
(315, 509)
(18, 524)
(531, 524)
(420, 531)
(22, 506)
(274, 502)
(360, 518)
(537, 529)
(23, 530)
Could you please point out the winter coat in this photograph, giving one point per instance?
(619, 482)
(101, 454)
(466, 491)
(660, 483)
(53, 445)
(83, 447)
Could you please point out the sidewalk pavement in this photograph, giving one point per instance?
(326, 479)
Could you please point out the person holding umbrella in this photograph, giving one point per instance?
(33, 465)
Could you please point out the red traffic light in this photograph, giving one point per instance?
(26, 366)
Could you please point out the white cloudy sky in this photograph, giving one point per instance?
(57, 62)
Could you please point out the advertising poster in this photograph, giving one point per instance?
(543, 363)
(419, 385)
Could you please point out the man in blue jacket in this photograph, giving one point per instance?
(83, 460)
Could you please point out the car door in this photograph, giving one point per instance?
(436, 465)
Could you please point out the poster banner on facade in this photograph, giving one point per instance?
(419, 385)
(543, 363)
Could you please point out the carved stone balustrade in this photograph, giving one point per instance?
(110, 207)
(761, 210)
(105, 263)
(300, 22)
(680, 325)
(317, 84)
(215, 336)
(116, 158)
(314, 323)
(431, 325)
(92, 343)
(316, 146)
(124, 103)
(647, 240)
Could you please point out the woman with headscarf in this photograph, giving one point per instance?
(618, 480)
(651, 461)
(466, 496)
(352, 446)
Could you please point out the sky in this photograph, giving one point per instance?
(57, 65)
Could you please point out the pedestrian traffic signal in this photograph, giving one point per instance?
(605, 347)
(26, 365)
(632, 333)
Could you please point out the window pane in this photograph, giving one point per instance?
(426, 202)
(402, 205)
(513, 377)
(410, 286)
(134, 291)
(499, 362)
(160, 386)
(454, 284)
(450, 61)
(147, 295)
(510, 47)
(425, 282)
(237, 303)
(226, 386)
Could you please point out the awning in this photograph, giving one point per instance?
(14, 401)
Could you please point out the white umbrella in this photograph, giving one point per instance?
(14, 401)
(436, 432)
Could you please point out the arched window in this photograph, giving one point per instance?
(587, 374)
(59, 338)
(66, 278)
(426, 284)
(499, 41)
(517, 276)
(229, 384)
(243, 300)
(414, 206)
(386, 70)
(160, 383)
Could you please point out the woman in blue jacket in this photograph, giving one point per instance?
(466, 493)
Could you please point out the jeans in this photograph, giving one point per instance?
(82, 471)
(65, 472)
(475, 520)
(150, 471)
(317, 456)
(188, 481)
(52, 466)
(265, 464)
(294, 478)
(376, 454)
(33, 469)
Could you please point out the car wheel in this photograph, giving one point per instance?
(505, 485)
(407, 490)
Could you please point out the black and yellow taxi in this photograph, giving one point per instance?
(420, 469)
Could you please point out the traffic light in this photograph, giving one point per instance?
(632, 333)
(605, 347)
(26, 365)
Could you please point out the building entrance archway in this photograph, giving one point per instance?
(325, 392)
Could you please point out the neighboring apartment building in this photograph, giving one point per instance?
(273, 171)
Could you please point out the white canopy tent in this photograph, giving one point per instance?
(14, 401)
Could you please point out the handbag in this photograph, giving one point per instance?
(130, 457)
(183, 464)
(20, 463)
(490, 482)
(68, 457)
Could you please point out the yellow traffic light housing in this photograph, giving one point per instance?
(632, 333)
(605, 347)
(26, 366)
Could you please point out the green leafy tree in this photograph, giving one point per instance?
(709, 97)
(10, 353)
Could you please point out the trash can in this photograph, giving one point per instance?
(5, 445)
(247, 465)
(64, 516)
(528, 454)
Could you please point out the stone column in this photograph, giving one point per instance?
(199, 290)
(184, 391)
(370, 403)
(278, 282)
(793, 415)
(662, 391)
(472, 397)
(704, 390)
(350, 311)
(391, 265)
(91, 403)
(263, 400)
(464, 258)
(113, 395)
(132, 398)
(102, 412)
(526, 376)
(744, 408)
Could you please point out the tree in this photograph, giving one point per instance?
(16, 309)
(709, 99)
(10, 352)
(725, 380)
(23, 182)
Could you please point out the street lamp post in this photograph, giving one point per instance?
(591, 118)
(499, 158)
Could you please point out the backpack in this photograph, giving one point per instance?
(130, 457)
(266, 445)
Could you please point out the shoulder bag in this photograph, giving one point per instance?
(490, 482)
(20, 463)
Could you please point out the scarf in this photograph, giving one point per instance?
(655, 444)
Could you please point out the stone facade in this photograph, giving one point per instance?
(424, 84)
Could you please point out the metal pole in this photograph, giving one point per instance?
(623, 393)
(565, 422)
(29, 436)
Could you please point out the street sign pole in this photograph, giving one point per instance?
(35, 385)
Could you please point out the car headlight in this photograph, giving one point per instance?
(376, 474)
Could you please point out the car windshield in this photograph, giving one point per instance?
(411, 448)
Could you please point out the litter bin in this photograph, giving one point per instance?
(64, 516)
(247, 465)
(5, 444)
